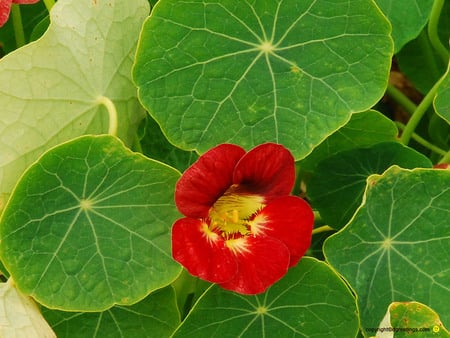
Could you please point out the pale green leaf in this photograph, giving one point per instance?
(20, 316)
(88, 226)
(53, 89)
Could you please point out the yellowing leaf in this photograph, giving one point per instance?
(54, 89)
(20, 316)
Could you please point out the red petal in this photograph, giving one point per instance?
(265, 262)
(268, 170)
(208, 260)
(5, 8)
(206, 180)
(289, 219)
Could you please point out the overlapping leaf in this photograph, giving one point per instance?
(394, 247)
(363, 130)
(154, 316)
(420, 63)
(31, 14)
(250, 72)
(88, 226)
(20, 316)
(410, 318)
(442, 100)
(418, 60)
(53, 89)
(311, 300)
(337, 185)
(407, 17)
(155, 145)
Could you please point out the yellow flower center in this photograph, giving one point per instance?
(231, 214)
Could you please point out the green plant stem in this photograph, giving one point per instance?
(321, 229)
(433, 30)
(17, 25)
(49, 4)
(419, 113)
(401, 99)
(446, 158)
(112, 112)
(422, 141)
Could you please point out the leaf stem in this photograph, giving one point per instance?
(18, 26)
(401, 98)
(433, 30)
(49, 4)
(446, 158)
(422, 141)
(323, 228)
(112, 112)
(419, 113)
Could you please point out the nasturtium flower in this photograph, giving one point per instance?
(242, 229)
(5, 8)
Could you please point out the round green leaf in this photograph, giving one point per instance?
(407, 18)
(311, 300)
(395, 247)
(337, 185)
(250, 72)
(409, 318)
(57, 87)
(88, 226)
(155, 316)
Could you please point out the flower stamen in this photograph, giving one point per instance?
(257, 224)
(210, 235)
(230, 215)
(237, 245)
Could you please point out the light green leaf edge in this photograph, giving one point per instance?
(311, 300)
(371, 309)
(442, 100)
(56, 87)
(189, 82)
(79, 290)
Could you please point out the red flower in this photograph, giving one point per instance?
(5, 8)
(242, 229)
